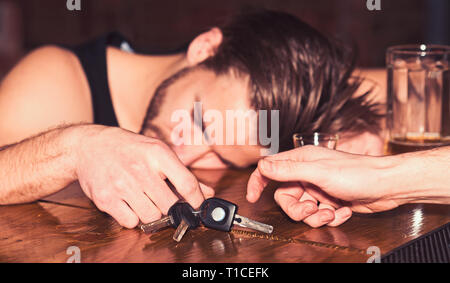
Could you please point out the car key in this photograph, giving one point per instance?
(220, 214)
(187, 218)
(181, 216)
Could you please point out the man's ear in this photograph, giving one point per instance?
(204, 46)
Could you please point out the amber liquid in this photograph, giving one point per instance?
(404, 145)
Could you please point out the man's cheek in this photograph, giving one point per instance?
(190, 154)
(209, 161)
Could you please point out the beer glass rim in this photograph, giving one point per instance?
(419, 49)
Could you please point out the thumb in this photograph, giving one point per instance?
(288, 170)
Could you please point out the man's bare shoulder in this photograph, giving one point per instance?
(45, 89)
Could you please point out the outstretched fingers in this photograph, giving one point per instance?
(291, 171)
(256, 185)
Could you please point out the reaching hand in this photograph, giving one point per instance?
(323, 187)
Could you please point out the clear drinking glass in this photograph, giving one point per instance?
(418, 97)
(317, 139)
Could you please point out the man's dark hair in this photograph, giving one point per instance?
(295, 69)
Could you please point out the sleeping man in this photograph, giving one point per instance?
(106, 116)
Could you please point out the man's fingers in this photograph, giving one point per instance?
(322, 217)
(207, 191)
(291, 171)
(288, 198)
(285, 166)
(123, 214)
(306, 196)
(319, 195)
(143, 207)
(340, 216)
(183, 180)
(256, 185)
(160, 194)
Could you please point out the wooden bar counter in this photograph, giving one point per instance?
(43, 231)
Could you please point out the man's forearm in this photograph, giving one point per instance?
(436, 171)
(38, 166)
(423, 177)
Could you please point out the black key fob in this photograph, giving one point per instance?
(218, 214)
(183, 210)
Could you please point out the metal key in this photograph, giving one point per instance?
(186, 217)
(181, 216)
(220, 214)
(157, 225)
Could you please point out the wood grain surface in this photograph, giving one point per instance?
(43, 231)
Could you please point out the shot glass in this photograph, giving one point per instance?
(316, 139)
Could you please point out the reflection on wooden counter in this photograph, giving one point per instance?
(43, 231)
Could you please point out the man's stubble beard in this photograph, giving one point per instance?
(149, 128)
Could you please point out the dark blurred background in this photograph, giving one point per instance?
(167, 24)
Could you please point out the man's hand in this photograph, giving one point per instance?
(124, 175)
(344, 182)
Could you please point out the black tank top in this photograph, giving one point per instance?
(92, 56)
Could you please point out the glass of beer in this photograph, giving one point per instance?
(317, 139)
(418, 116)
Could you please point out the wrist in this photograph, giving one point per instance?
(420, 177)
(75, 140)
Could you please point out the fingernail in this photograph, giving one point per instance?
(326, 218)
(309, 209)
(347, 213)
